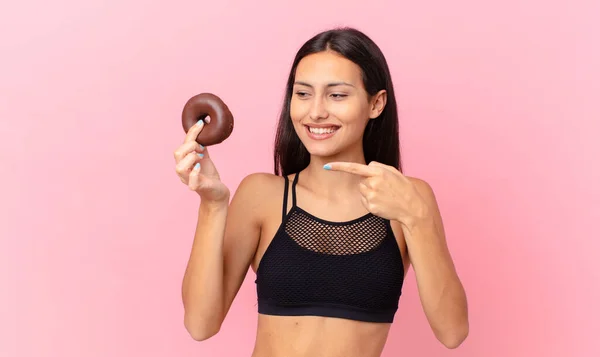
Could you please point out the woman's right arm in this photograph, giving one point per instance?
(225, 242)
(225, 239)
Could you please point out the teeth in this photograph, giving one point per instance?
(321, 130)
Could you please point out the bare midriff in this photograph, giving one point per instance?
(314, 336)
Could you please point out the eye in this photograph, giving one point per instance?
(301, 94)
(338, 96)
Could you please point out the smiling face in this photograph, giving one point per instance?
(330, 107)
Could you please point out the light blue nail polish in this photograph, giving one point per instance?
(327, 167)
(201, 155)
(200, 122)
(201, 147)
(197, 167)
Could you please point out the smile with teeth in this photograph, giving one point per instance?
(321, 131)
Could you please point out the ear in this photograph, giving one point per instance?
(377, 104)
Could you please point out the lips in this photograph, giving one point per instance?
(321, 132)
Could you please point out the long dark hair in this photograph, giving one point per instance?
(380, 140)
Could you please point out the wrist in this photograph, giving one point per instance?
(214, 206)
(420, 216)
(415, 225)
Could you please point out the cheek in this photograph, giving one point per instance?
(351, 113)
(297, 110)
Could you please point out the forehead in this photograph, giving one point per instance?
(323, 67)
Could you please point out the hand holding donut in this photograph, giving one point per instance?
(195, 168)
(193, 164)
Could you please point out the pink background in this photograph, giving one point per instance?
(498, 112)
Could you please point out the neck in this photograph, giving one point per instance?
(333, 183)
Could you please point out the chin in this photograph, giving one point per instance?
(326, 149)
(322, 151)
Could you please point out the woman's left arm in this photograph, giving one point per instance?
(388, 193)
(441, 292)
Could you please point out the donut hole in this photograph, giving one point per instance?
(204, 117)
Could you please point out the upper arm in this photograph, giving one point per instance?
(428, 195)
(242, 233)
(433, 211)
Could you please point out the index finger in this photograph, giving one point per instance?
(193, 132)
(351, 167)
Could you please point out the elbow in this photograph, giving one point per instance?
(202, 334)
(455, 337)
(201, 331)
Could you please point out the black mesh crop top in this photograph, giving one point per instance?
(351, 270)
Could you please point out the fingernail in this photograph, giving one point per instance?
(327, 167)
(201, 155)
(200, 122)
(207, 120)
(201, 147)
(197, 167)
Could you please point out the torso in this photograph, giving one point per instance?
(314, 336)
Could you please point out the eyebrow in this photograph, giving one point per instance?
(332, 84)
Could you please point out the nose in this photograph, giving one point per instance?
(318, 109)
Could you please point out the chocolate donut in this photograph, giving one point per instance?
(199, 107)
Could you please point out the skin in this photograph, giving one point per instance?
(337, 186)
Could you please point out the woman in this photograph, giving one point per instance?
(332, 233)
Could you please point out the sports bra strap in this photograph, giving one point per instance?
(285, 197)
(286, 193)
(294, 190)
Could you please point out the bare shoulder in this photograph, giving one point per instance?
(259, 183)
(423, 187)
(256, 192)
(426, 191)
